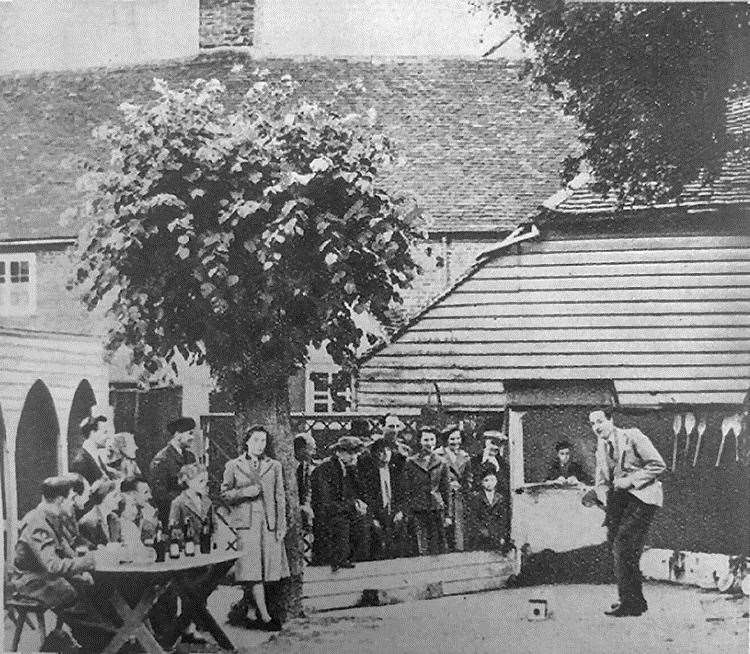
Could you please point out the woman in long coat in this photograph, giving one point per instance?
(459, 474)
(253, 486)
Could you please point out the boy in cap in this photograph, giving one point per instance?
(488, 514)
(167, 463)
(339, 525)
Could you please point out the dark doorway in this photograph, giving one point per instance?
(83, 400)
(36, 445)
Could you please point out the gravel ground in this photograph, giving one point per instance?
(680, 619)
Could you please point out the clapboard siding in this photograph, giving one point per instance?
(662, 317)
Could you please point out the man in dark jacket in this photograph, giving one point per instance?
(87, 461)
(165, 467)
(380, 479)
(426, 491)
(339, 524)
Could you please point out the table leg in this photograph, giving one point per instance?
(133, 621)
(194, 605)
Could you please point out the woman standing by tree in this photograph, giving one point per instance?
(253, 486)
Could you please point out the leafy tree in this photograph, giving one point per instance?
(648, 83)
(238, 238)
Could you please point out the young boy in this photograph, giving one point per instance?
(488, 514)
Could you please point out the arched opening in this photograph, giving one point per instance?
(36, 445)
(83, 400)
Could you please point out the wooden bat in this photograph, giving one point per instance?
(736, 429)
(689, 426)
(676, 427)
(701, 430)
(724, 431)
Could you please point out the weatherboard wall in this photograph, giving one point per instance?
(666, 318)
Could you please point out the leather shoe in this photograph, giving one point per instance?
(344, 564)
(271, 625)
(192, 639)
(643, 607)
(623, 611)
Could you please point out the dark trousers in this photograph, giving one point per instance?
(429, 532)
(628, 520)
(341, 537)
(388, 541)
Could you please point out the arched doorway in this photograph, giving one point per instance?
(36, 446)
(83, 400)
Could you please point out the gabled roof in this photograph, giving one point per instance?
(731, 187)
(665, 318)
(481, 146)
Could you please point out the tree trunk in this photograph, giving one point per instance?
(272, 411)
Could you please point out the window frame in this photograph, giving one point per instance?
(310, 393)
(30, 307)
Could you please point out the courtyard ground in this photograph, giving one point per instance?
(684, 620)
(681, 620)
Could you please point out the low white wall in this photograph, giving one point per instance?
(69, 34)
(554, 518)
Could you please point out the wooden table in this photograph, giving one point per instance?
(133, 588)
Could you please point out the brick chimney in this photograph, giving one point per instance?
(226, 22)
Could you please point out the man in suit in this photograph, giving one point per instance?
(340, 527)
(165, 467)
(139, 491)
(381, 488)
(426, 492)
(492, 454)
(305, 449)
(88, 460)
(627, 470)
(562, 469)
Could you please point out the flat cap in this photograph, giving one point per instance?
(181, 425)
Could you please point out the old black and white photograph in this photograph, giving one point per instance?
(372, 326)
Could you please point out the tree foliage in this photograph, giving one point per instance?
(648, 83)
(238, 238)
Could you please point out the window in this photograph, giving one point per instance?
(327, 391)
(17, 284)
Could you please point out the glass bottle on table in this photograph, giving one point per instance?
(160, 542)
(189, 538)
(174, 542)
(205, 539)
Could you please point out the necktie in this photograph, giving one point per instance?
(386, 493)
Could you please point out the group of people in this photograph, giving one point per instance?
(393, 497)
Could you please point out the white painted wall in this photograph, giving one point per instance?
(69, 34)
(378, 28)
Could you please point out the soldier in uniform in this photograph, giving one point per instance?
(46, 567)
(167, 464)
(426, 493)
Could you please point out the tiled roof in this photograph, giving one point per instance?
(732, 186)
(481, 146)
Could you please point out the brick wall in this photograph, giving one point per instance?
(226, 22)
